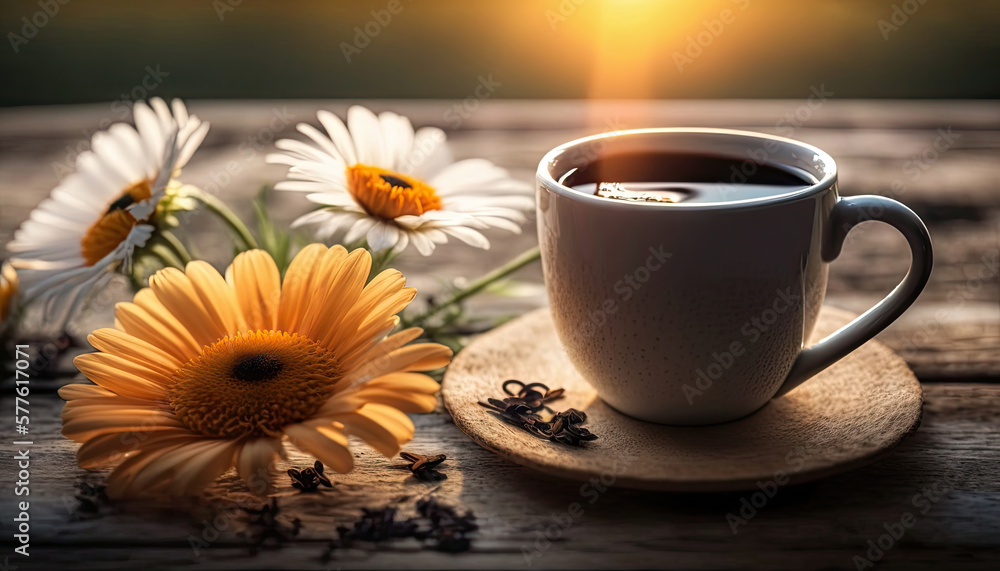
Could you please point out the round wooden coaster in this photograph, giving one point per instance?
(845, 417)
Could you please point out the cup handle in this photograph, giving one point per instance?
(847, 213)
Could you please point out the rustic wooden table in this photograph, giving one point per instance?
(940, 158)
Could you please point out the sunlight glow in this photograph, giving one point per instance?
(629, 33)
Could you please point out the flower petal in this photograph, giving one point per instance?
(175, 291)
(367, 135)
(255, 278)
(382, 236)
(255, 462)
(121, 420)
(124, 377)
(217, 297)
(117, 342)
(187, 468)
(339, 135)
(147, 319)
(296, 291)
(384, 428)
(325, 443)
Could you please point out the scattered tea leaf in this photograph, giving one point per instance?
(309, 479)
(425, 467)
(521, 410)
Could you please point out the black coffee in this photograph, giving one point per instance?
(684, 177)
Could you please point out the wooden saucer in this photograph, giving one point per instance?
(847, 416)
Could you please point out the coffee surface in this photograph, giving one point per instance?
(684, 177)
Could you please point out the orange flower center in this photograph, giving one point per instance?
(8, 289)
(387, 194)
(253, 384)
(113, 228)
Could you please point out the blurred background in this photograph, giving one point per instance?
(76, 51)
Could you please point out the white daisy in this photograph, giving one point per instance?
(95, 218)
(378, 179)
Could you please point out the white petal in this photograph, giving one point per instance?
(501, 223)
(469, 236)
(304, 151)
(170, 152)
(476, 174)
(303, 186)
(162, 113)
(339, 135)
(314, 217)
(130, 140)
(128, 162)
(337, 220)
(430, 153)
(401, 243)
(367, 135)
(397, 139)
(332, 199)
(190, 145)
(103, 180)
(359, 230)
(149, 129)
(423, 244)
(180, 111)
(383, 235)
(320, 139)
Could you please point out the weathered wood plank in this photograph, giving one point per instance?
(827, 522)
(951, 333)
(500, 114)
(956, 194)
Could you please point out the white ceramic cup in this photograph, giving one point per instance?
(697, 313)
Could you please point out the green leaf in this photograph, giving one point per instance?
(274, 241)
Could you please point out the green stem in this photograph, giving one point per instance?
(134, 280)
(478, 285)
(165, 255)
(176, 246)
(381, 261)
(217, 207)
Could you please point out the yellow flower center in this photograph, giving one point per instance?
(387, 194)
(253, 384)
(111, 229)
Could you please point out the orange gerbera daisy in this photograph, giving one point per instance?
(202, 373)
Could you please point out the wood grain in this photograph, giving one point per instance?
(951, 335)
(874, 143)
(819, 524)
